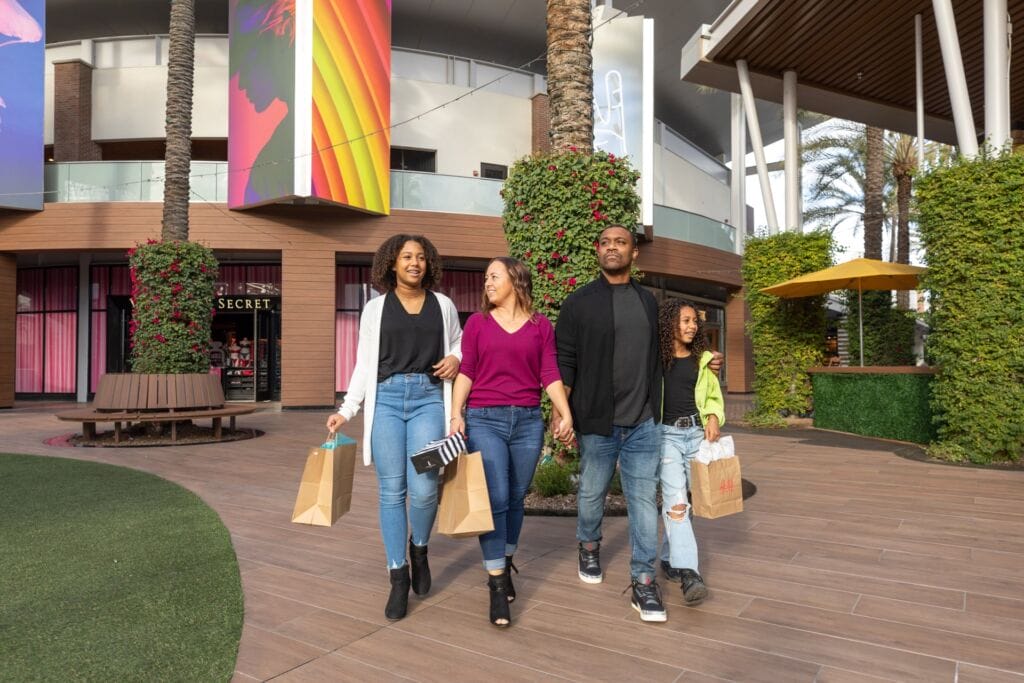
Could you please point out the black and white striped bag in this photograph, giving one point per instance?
(437, 454)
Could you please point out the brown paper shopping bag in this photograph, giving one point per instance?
(465, 507)
(325, 492)
(716, 488)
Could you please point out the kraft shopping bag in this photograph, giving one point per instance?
(716, 487)
(465, 507)
(325, 492)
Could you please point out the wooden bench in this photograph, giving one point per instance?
(123, 398)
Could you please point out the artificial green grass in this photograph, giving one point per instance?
(111, 574)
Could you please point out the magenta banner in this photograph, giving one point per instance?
(22, 57)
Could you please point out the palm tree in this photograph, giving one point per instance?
(901, 153)
(874, 188)
(570, 74)
(178, 157)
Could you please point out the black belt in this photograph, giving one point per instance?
(684, 422)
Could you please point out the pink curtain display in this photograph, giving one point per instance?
(104, 281)
(47, 331)
(464, 288)
(252, 279)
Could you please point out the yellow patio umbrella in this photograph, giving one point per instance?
(859, 274)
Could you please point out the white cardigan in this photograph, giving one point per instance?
(362, 388)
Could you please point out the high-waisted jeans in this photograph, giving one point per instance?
(510, 439)
(679, 447)
(409, 413)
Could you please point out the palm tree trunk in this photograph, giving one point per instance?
(570, 75)
(873, 187)
(180, 68)
(903, 182)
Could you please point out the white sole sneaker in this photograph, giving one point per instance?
(650, 616)
(590, 579)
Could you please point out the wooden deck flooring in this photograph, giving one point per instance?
(849, 564)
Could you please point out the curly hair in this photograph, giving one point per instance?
(522, 285)
(668, 325)
(382, 274)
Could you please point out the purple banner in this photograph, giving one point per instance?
(22, 55)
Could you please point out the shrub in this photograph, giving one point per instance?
(890, 406)
(554, 479)
(172, 293)
(787, 334)
(888, 331)
(971, 215)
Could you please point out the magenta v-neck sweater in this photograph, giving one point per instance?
(508, 369)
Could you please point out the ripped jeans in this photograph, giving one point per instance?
(678, 449)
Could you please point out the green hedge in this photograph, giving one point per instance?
(888, 331)
(887, 406)
(972, 229)
(788, 335)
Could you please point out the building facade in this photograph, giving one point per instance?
(294, 276)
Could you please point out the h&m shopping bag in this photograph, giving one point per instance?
(325, 493)
(716, 486)
(465, 507)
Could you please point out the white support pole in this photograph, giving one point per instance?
(791, 133)
(919, 81)
(738, 173)
(956, 82)
(997, 92)
(750, 107)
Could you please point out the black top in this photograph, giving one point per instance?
(585, 336)
(632, 339)
(680, 387)
(410, 343)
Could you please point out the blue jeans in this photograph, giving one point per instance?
(636, 451)
(678, 449)
(408, 414)
(510, 439)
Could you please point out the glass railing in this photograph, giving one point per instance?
(143, 181)
(677, 224)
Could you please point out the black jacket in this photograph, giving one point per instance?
(585, 337)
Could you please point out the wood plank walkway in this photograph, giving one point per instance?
(850, 564)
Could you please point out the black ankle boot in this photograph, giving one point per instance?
(420, 568)
(499, 585)
(398, 601)
(509, 568)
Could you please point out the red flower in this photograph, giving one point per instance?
(195, 347)
(175, 267)
(164, 274)
(202, 267)
(573, 148)
(131, 252)
(547, 298)
(527, 218)
(541, 266)
(518, 203)
(611, 171)
(528, 254)
(565, 259)
(552, 167)
(551, 276)
(555, 255)
(560, 234)
(156, 297)
(152, 241)
(571, 282)
(161, 338)
(611, 157)
(155, 320)
(176, 287)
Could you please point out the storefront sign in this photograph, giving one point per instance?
(248, 303)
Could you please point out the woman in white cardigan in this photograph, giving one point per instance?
(408, 354)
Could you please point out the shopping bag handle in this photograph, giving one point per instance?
(335, 439)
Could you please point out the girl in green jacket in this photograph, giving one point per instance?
(692, 410)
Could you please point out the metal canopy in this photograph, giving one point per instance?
(854, 58)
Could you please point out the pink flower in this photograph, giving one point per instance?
(527, 218)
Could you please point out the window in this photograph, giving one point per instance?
(46, 331)
(496, 171)
(405, 159)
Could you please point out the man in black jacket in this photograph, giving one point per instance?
(607, 338)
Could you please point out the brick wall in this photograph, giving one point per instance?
(541, 123)
(739, 356)
(72, 112)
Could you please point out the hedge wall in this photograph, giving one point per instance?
(888, 406)
(972, 229)
(787, 334)
(888, 331)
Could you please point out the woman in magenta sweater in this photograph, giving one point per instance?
(508, 355)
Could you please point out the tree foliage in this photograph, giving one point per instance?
(172, 294)
(787, 334)
(971, 218)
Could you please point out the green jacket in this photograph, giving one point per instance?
(708, 393)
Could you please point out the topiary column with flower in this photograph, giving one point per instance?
(172, 298)
(556, 206)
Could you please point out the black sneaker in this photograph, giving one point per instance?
(647, 601)
(590, 564)
(694, 590)
(671, 573)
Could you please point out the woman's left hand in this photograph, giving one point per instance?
(561, 428)
(711, 431)
(447, 368)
